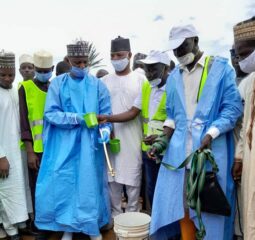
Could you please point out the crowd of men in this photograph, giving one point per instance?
(53, 172)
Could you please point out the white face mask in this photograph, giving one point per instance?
(186, 59)
(155, 82)
(120, 65)
(247, 65)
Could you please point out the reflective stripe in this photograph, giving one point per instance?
(207, 67)
(38, 137)
(36, 123)
(146, 120)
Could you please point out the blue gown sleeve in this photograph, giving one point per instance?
(54, 113)
(231, 107)
(104, 103)
(170, 99)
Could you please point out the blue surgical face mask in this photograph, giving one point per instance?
(79, 72)
(43, 77)
(120, 65)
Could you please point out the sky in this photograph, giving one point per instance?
(31, 25)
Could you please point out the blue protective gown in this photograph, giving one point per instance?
(71, 190)
(220, 106)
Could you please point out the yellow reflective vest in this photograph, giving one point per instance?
(160, 114)
(35, 99)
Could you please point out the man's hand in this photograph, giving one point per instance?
(168, 132)
(4, 168)
(102, 118)
(105, 135)
(152, 154)
(33, 161)
(149, 140)
(237, 170)
(206, 142)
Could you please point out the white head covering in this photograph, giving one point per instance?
(26, 58)
(156, 57)
(43, 59)
(178, 35)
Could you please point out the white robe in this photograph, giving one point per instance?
(248, 156)
(12, 189)
(127, 163)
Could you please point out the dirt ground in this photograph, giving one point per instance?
(109, 235)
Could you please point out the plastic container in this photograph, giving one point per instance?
(115, 145)
(132, 226)
(91, 120)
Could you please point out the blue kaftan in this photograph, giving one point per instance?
(71, 187)
(219, 106)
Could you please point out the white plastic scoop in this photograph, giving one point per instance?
(111, 171)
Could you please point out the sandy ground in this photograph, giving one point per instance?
(109, 235)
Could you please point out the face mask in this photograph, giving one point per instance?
(79, 72)
(120, 65)
(43, 77)
(155, 82)
(186, 59)
(247, 65)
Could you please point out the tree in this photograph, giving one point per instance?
(94, 62)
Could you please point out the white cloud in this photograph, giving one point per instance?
(30, 25)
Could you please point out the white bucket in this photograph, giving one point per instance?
(132, 226)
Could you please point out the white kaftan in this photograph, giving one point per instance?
(127, 163)
(248, 156)
(12, 189)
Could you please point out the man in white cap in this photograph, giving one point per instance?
(150, 102)
(27, 71)
(13, 209)
(244, 35)
(203, 105)
(71, 186)
(32, 97)
(124, 86)
(26, 67)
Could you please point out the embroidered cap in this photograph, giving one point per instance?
(245, 30)
(26, 58)
(43, 59)
(7, 59)
(78, 49)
